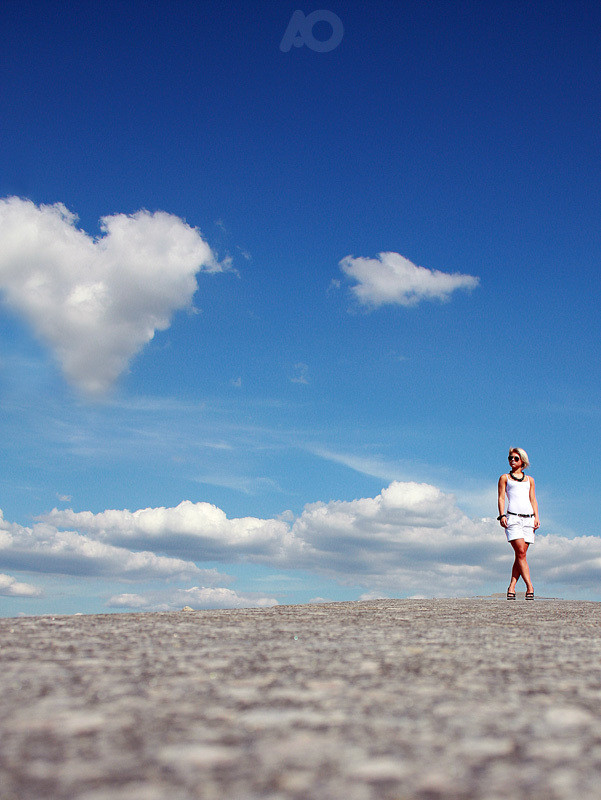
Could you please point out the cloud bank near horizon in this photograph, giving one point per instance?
(410, 539)
(45, 549)
(393, 279)
(197, 597)
(96, 302)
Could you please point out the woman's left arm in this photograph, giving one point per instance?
(534, 503)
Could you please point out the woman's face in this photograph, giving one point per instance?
(515, 462)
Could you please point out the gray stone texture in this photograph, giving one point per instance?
(388, 699)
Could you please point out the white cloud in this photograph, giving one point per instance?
(204, 597)
(239, 483)
(413, 539)
(9, 586)
(43, 548)
(128, 600)
(366, 465)
(476, 500)
(375, 595)
(197, 598)
(200, 530)
(570, 562)
(97, 302)
(392, 278)
(410, 539)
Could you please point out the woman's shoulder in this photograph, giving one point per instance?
(503, 478)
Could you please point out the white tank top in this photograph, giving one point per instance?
(518, 496)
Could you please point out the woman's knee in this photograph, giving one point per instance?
(520, 547)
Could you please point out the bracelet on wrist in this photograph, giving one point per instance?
(501, 515)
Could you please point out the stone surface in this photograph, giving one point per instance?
(387, 699)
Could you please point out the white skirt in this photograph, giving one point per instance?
(520, 528)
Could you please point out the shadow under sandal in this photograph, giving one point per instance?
(529, 596)
(510, 595)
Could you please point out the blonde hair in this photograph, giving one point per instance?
(522, 454)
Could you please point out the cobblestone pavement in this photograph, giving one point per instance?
(389, 699)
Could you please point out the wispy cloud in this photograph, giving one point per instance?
(240, 483)
(301, 374)
(366, 465)
(97, 302)
(393, 279)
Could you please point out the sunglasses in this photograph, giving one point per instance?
(514, 458)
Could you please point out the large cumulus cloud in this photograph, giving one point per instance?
(97, 302)
(410, 538)
(43, 548)
(198, 531)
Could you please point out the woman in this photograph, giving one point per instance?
(521, 518)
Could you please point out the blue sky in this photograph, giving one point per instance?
(333, 420)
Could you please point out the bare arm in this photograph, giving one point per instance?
(501, 502)
(534, 503)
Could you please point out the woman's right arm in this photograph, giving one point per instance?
(501, 502)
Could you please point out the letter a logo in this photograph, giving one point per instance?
(300, 31)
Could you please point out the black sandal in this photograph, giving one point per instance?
(510, 595)
(529, 596)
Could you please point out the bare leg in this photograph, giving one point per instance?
(520, 565)
(516, 574)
